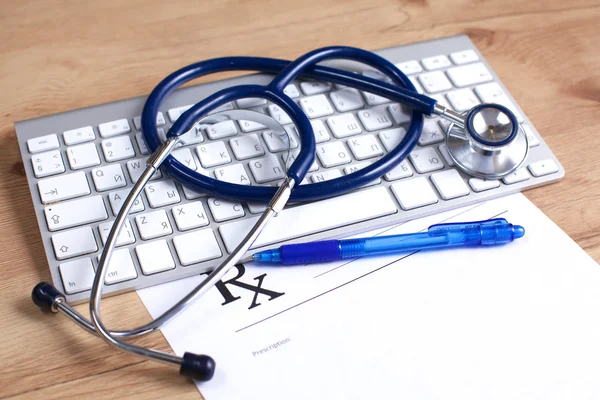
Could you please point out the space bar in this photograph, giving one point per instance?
(313, 217)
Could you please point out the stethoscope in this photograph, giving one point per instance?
(486, 142)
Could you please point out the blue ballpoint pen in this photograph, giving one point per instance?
(476, 233)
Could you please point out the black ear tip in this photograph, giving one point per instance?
(44, 295)
(198, 366)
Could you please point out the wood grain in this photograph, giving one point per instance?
(58, 55)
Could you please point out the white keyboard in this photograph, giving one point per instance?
(81, 164)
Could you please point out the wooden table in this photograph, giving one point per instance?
(58, 55)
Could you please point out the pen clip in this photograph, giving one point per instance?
(459, 226)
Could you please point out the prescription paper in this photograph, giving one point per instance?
(519, 321)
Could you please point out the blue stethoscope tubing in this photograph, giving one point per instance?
(287, 71)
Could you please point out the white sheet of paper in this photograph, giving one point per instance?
(520, 321)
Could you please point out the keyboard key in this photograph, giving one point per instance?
(357, 167)
(279, 115)
(493, 93)
(392, 137)
(375, 74)
(139, 138)
(532, 140)
(83, 156)
(333, 154)
(193, 136)
(155, 257)
(519, 175)
(449, 184)
(71, 213)
(117, 198)
(162, 193)
(116, 149)
(414, 193)
(63, 187)
(46, 164)
(464, 57)
(416, 84)
(291, 91)
(246, 146)
(462, 99)
(400, 113)
(316, 106)
(435, 82)
(250, 102)
(235, 173)
(43, 143)
(326, 176)
(114, 128)
(375, 100)
(120, 267)
(73, 243)
(365, 147)
(480, 185)
(80, 135)
(432, 133)
(256, 208)
(77, 275)
(213, 154)
(136, 169)
(471, 74)
(310, 88)
(402, 170)
(543, 167)
(108, 177)
(409, 67)
(266, 169)
(444, 151)
(344, 125)
(278, 143)
(436, 62)
(426, 160)
(221, 130)
(288, 159)
(153, 224)
(185, 157)
(321, 134)
(190, 216)
(196, 247)
(160, 121)
(324, 215)
(125, 237)
(224, 210)
(192, 194)
(346, 100)
(374, 119)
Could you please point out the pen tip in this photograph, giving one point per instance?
(518, 231)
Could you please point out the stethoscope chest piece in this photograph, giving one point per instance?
(491, 144)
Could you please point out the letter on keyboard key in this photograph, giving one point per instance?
(108, 177)
(190, 216)
(75, 212)
(344, 125)
(392, 137)
(400, 113)
(155, 257)
(365, 147)
(120, 268)
(235, 173)
(543, 167)
(414, 193)
(324, 215)
(136, 168)
(119, 148)
(153, 224)
(46, 164)
(470, 74)
(326, 175)
(196, 247)
(63, 187)
(73, 243)
(426, 160)
(266, 169)
(117, 198)
(374, 119)
(432, 133)
(43, 143)
(162, 193)
(224, 210)
(77, 275)
(333, 154)
(316, 106)
(321, 134)
(213, 154)
(402, 170)
(247, 146)
(449, 184)
(185, 157)
(114, 128)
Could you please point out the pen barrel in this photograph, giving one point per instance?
(306, 253)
